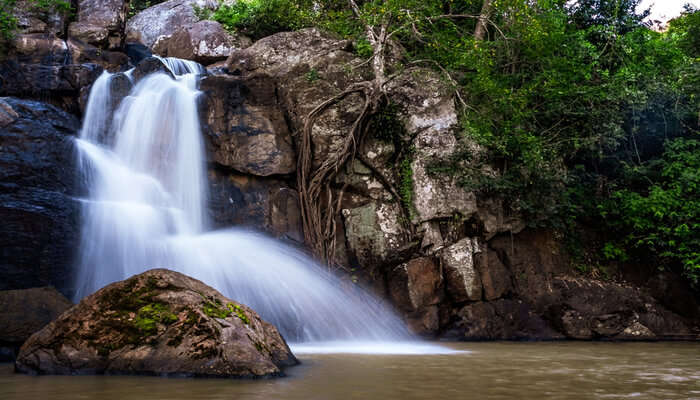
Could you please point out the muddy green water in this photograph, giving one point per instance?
(565, 370)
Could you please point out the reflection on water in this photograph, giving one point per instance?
(485, 371)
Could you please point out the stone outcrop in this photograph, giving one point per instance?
(25, 311)
(100, 22)
(31, 19)
(245, 126)
(205, 42)
(46, 67)
(157, 323)
(164, 19)
(39, 229)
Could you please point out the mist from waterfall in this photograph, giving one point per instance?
(144, 170)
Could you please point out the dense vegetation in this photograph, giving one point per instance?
(591, 116)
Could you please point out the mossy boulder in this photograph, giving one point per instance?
(157, 323)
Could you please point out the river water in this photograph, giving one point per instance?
(555, 370)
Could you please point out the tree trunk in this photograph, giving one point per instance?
(480, 31)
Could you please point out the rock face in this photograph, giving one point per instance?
(205, 42)
(245, 126)
(39, 215)
(164, 19)
(265, 204)
(30, 19)
(157, 323)
(23, 312)
(100, 22)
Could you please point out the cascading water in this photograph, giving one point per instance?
(144, 171)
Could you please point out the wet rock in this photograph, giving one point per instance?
(245, 126)
(157, 323)
(164, 19)
(587, 309)
(374, 233)
(23, 312)
(205, 42)
(112, 61)
(39, 229)
(148, 66)
(463, 280)
(60, 85)
(265, 204)
(7, 114)
(100, 22)
(499, 320)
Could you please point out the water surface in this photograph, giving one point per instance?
(558, 370)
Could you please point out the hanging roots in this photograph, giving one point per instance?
(319, 206)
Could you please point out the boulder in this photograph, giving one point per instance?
(157, 323)
(245, 125)
(100, 22)
(164, 19)
(458, 263)
(205, 42)
(23, 312)
(586, 309)
(416, 289)
(40, 217)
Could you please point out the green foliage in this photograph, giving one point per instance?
(236, 310)
(406, 183)
(136, 6)
(260, 18)
(661, 219)
(8, 20)
(150, 315)
(202, 13)
(312, 75)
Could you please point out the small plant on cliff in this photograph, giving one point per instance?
(8, 20)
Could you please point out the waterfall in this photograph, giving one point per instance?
(144, 170)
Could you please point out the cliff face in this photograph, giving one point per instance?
(454, 264)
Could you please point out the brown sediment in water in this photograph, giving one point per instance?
(496, 370)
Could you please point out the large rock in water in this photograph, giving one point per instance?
(157, 323)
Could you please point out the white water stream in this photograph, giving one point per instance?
(144, 168)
